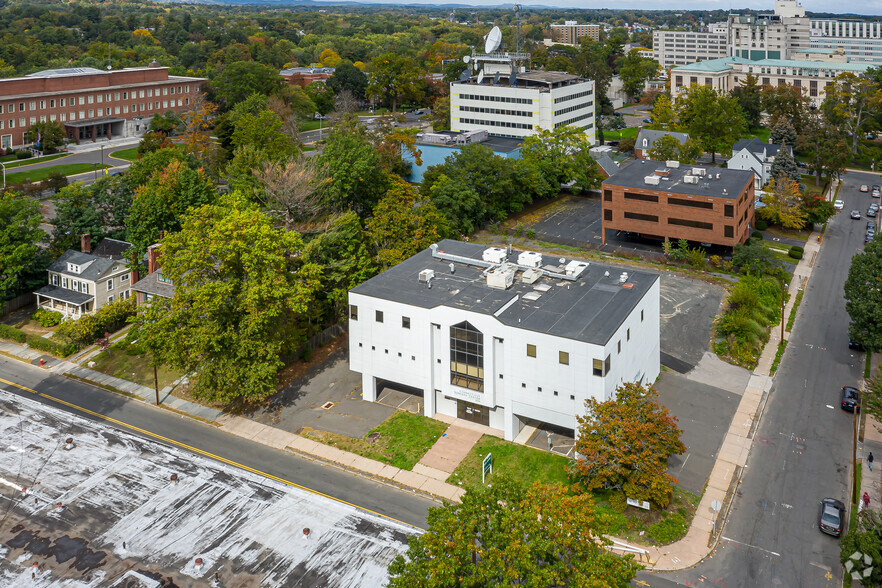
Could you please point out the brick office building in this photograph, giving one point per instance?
(664, 199)
(90, 103)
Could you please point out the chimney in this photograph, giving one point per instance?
(136, 276)
(86, 243)
(152, 259)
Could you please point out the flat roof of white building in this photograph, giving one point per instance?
(589, 308)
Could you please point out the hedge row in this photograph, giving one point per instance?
(37, 342)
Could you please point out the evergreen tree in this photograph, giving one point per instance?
(783, 133)
(784, 164)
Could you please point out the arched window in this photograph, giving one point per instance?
(467, 357)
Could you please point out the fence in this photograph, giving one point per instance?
(317, 340)
(17, 303)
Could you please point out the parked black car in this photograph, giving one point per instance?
(831, 516)
(852, 344)
(851, 399)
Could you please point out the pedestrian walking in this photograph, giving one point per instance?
(870, 461)
(866, 498)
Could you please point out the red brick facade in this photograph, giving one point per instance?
(81, 97)
(656, 212)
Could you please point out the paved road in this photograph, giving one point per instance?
(802, 449)
(207, 440)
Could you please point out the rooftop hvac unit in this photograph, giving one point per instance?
(699, 171)
(652, 180)
(426, 275)
(672, 164)
(690, 179)
(472, 137)
(501, 277)
(434, 138)
(494, 255)
(574, 268)
(530, 259)
(530, 276)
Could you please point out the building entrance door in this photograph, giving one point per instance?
(473, 412)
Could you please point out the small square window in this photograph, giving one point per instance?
(572, 397)
(387, 352)
(563, 357)
(555, 392)
(523, 385)
(598, 367)
(500, 376)
(439, 361)
(353, 312)
(531, 350)
(359, 344)
(405, 322)
(379, 316)
(413, 358)
(399, 354)
(539, 388)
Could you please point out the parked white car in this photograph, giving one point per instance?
(838, 204)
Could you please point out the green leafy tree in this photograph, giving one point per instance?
(153, 141)
(46, 135)
(666, 148)
(863, 296)
(849, 103)
(241, 79)
(783, 204)
(165, 123)
(753, 258)
(263, 130)
(593, 62)
(140, 172)
(749, 97)
(788, 102)
(290, 189)
(785, 165)
(20, 235)
(160, 205)
(826, 146)
(509, 533)
(241, 289)
(348, 77)
(625, 443)
(321, 95)
(241, 171)
(783, 133)
(662, 114)
(562, 156)
(865, 538)
(634, 70)
(403, 224)
(393, 78)
(713, 120)
(460, 204)
(441, 113)
(357, 179)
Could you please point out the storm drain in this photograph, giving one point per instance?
(328, 405)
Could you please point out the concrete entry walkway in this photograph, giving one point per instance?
(451, 448)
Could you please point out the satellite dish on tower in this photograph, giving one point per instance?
(466, 58)
(480, 76)
(493, 40)
(464, 75)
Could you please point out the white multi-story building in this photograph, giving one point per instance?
(520, 104)
(501, 338)
(781, 35)
(672, 48)
(860, 41)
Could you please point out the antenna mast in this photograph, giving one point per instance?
(517, 11)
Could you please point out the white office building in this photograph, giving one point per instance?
(672, 48)
(521, 104)
(860, 41)
(502, 337)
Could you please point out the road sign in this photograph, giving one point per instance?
(486, 467)
(716, 505)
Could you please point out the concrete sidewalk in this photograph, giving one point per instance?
(733, 454)
(428, 482)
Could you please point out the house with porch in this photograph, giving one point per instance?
(81, 282)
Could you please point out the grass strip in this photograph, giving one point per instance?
(127, 154)
(37, 175)
(793, 310)
(34, 160)
(778, 354)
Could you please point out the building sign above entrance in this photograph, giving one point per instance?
(463, 394)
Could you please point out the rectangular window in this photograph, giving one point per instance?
(607, 195)
(607, 215)
(91, 113)
(54, 279)
(124, 278)
(99, 98)
(563, 357)
(691, 223)
(33, 105)
(141, 94)
(531, 350)
(379, 316)
(61, 102)
(353, 312)
(64, 282)
(21, 106)
(33, 119)
(619, 346)
(642, 217)
(91, 99)
(109, 299)
(405, 322)
(116, 95)
(728, 231)
(82, 100)
(692, 203)
(22, 122)
(100, 112)
(11, 108)
(641, 316)
(82, 114)
(110, 284)
(728, 210)
(642, 197)
(598, 368)
(125, 96)
(85, 287)
(116, 109)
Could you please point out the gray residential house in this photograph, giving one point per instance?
(756, 156)
(154, 283)
(647, 137)
(81, 282)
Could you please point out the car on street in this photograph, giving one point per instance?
(801, 164)
(869, 236)
(871, 213)
(856, 214)
(876, 187)
(865, 188)
(875, 193)
(852, 344)
(838, 204)
(874, 205)
(851, 399)
(871, 225)
(831, 516)
(647, 120)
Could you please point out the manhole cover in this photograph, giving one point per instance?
(373, 437)
(328, 405)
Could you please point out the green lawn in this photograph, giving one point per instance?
(761, 133)
(619, 135)
(313, 125)
(402, 439)
(42, 173)
(801, 235)
(127, 154)
(377, 112)
(779, 251)
(123, 362)
(517, 461)
(811, 185)
(33, 160)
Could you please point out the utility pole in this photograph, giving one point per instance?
(156, 384)
(854, 419)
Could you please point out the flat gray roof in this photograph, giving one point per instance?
(500, 144)
(589, 309)
(733, 181)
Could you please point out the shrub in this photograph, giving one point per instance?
(668, 530)
(761, 225)
(13, 334)
(47, 318)
(519, 230)
(716, 261)
(756, 235)
(618, 502)
(796, 252)
(50, 346)
(531, 234)
(23, 155)
(87, 329)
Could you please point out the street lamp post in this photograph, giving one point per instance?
(4, 173)
(854, 420)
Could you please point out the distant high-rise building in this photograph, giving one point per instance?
(672, 48)
(570, 33)
(781, 35)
